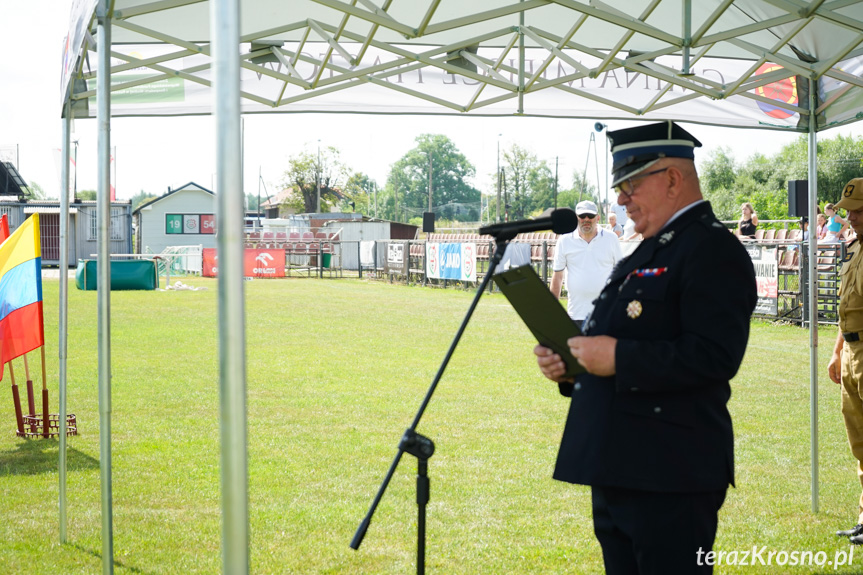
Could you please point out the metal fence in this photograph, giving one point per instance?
(404, 261)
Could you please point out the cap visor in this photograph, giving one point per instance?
(849, 204)
(631, 171)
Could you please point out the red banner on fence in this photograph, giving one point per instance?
(256, 263)
(210, 267)
(264, 263)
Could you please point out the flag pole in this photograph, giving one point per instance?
(45, 433)
(16, 397)
(31, 401)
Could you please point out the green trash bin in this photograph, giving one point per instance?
(326, 259)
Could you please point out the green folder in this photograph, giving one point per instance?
(541, 312)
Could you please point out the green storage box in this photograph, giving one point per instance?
(125, 275)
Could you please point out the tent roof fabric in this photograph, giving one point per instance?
(740, 63)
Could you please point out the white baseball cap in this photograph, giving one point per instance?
(586, 207)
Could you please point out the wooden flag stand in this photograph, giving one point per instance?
(46, 424)
(16, 397)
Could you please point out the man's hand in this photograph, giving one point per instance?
(834, 368)
(594, 353)
(550, 364)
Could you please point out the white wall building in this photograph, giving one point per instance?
(182, 217)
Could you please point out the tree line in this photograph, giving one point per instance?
(529, 185)
(763, 180)
(434, 167)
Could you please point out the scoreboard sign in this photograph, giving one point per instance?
(190, 224)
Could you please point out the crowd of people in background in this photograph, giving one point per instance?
(831, 227)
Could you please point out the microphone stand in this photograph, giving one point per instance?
(422, 447)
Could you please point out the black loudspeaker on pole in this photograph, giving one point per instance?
(798, 198)
(428, 222)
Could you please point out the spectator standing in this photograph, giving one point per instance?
(836, 225)
(587, 257)
(615, 227)
(748, 223)
(629, 233)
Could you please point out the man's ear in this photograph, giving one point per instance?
(675, 181)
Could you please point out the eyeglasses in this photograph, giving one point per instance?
(627, 188)
(586, 216)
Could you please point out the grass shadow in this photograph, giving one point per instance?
(35, 456)
(98, 555)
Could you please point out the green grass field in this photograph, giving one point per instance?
(336, 372)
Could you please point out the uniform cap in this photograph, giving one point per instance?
(633, 150)
(852, 195)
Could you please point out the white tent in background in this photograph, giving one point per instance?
(785, 65)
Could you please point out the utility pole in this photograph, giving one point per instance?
(430, 181)
(497, 173)
(555, 182)
(75, 186)
(318, 180)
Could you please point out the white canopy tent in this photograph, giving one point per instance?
(785, 65)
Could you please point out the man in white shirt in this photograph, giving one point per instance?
(587, 255)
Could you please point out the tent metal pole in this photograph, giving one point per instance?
(521, 61)
(103, 275)
(225, 32)
(813, 295)
(64, 306)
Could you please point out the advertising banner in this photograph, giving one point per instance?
(766, 279)
(264, 263)
(256, 263)
(397, 260)
(451, 261)
(210, 268)
(137, 91)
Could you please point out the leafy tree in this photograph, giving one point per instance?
(87, 195)
(581, 190)
(302, 173)
(763, 180)
(141, 198)
(528, 182)
(358, 191)
(252, 202)
(718, 171)
(408, 183)
(35, 191)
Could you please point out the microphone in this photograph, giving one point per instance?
(561, 221)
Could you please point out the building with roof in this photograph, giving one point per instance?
(83, 227)
(185, 216)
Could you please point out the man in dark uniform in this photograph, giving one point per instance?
(648, 427)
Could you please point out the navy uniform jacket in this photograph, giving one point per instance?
(680, 307)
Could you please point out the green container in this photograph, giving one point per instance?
(326, 259)
(125, 275)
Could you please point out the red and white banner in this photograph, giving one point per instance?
(264, 263)
(256, 263)
(211, 265)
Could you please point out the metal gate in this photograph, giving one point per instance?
(49, 235)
